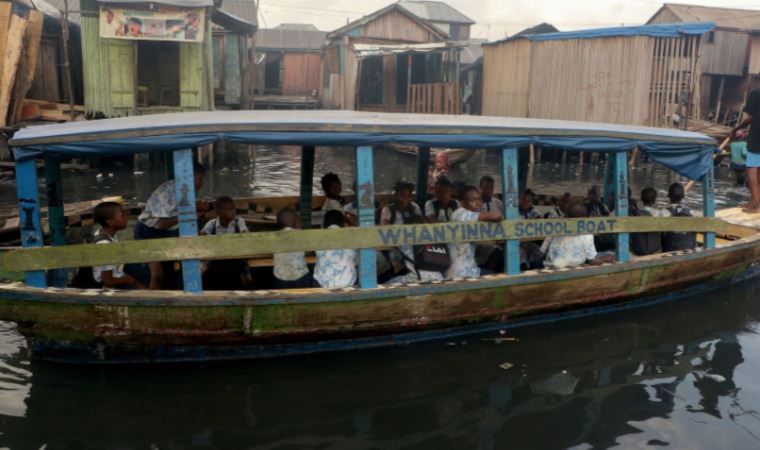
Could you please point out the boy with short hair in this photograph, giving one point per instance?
(646, 243)
(526, 206)
(332, 187)
(560, 210)
(227, 274)
(673, 241)
(290, 269)
(402, 208)
(111, 218)
(463, 263)
(573, 251)
(335, 268)
(649, 201)
(443, 206)
(489, 202)
(594, 204)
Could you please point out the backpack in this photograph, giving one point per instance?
(673, 241)
(644, 243)
(216, 222)
(428, 257)
(84, 279)
(453, 204)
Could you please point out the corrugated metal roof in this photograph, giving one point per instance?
(541, 28)
(244, 9)
(380, 12)
(285, 39)
(435, 11)
(296, 26)
(723, 17)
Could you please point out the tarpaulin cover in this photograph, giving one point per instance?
(180, 3)
(689, 154)
(665, 30)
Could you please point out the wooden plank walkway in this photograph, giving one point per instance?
(739, 217)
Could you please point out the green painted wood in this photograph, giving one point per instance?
(622, 251)
(121, 70)
(232, 75)
(708, 203)
(56, 216)
(188, 222)
(95, 61)
(29, 216)
(509, 170)
(191, 84)
(307, 185)
(423, 163)
(250, 244)
(365, 193)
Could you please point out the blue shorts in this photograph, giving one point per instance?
(753, 159)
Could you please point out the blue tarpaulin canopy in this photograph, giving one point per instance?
(662, 30)
(689, 154)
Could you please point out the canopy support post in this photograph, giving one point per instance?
(29, 215)
(56, 217)
(423, 163)
(708, 200)
(621, 202)
(609, 178)
(307, 185)
(365, 196)
(509, 169)
(188, 222)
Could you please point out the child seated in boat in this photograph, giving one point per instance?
(228, 274)
(290, 269)
(489, 202)
(526, 205)
(597, 208)
(559, 211)
(463, 264)
(677, 240)
(646, 243)
(401, 210)
(573, 251)
(649, 202)
(530, 251)
(332, 187)
(111, 218)
(335, 268)
(443, 206)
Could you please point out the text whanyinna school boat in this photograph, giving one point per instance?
(76, 325)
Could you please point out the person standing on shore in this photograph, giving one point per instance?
(753, 150)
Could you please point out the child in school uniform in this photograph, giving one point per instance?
(332, 187)
(488, 201)
(401, 210)
(463, 264)
(290, 269)
(111, 218)
(443, 206)
(676, 240)
(573, 251)
(227, 274)
(335, 268)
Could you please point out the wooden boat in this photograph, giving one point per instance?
(107, 326)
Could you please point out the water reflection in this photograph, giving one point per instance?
(679, 375)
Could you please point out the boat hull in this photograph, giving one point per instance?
(137, 327)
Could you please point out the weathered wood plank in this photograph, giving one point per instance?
(509, 168)
(708, 203)
(31, 224)
(188, 223)
(621, 204)
(365, 192)
(28, 63)
(13, 49)
(248, 244)
(5, 18)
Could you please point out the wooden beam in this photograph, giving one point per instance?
(29, 213)
(56, 216)
(307, 185)
(28, 63)
(13, 49)
(365, 192)
(708, 202)
(5, 18)
(509, 170)
(621, 203)
(423, 163)
(188, 221)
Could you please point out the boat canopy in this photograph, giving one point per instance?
(688, 153)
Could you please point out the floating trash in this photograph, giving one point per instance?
(506, 366)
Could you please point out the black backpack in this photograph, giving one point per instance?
(674, 241)
(644, 243)
(84, 278)
(453, 204)
(216, 222)
(428, 257)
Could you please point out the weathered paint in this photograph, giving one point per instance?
(365, 192)
(56, 216)
(188, 222)
(114, 322)
(708, 203)
(307, 185)
(509, 170)
(366, 237)
(423, 163)
(29, 215)
(622, 250)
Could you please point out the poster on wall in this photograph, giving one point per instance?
(161, 23)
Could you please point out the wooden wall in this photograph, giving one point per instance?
(46, 84)
(506, 79)
(754, 54)
(395, 26)
(302, 73)
(726, 55)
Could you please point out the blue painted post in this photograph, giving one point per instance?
(708, 203)
(423, 163)
(621, 202)
(307, 182)
(365, 194)
(188, 222)
(509, 172)
(29, 215)
(56, 217)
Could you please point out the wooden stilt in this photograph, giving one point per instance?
(307, 185)
(708, 203)
(532, 154)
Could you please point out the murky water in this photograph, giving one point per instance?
(676, 375)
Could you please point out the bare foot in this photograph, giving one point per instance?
(751, 210)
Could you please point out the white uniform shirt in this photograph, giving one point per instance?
(335, 268)
(117, 271)
(290, 266)
(162, 204)
(463, 263)
(568, 251)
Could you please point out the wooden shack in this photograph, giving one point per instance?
(392, 61)
(644, 75)
(289, 67)
(234, 24)
(723, 57)
(147, 57)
